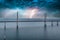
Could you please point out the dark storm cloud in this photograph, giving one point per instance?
(14, 3)
(54, 5)
(7, 4)
(49, 4)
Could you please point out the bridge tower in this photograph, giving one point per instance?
(17, 20)
(45, 15)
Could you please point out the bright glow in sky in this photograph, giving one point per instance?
(29, 13)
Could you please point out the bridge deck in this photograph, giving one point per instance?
(48, 20)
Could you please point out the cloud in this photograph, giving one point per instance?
(49, 5)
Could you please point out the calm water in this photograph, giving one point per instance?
(30, 31)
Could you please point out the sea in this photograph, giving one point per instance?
(30, 31)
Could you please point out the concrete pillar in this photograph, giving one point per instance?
(57, 23)
(52, 23)
(45, 24)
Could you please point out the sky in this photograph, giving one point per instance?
(51, 7)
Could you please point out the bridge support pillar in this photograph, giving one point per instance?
(52, 23)
(57, 23)
(45, 17)
(17, 27)
(45, 24)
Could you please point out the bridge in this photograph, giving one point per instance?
(33, 20)
(29, 20)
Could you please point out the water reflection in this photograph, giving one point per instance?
(17, 34)
(5, 31)
(45, 33)
(31, 32)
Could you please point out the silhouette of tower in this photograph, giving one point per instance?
(17, 20)
(45, 15)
